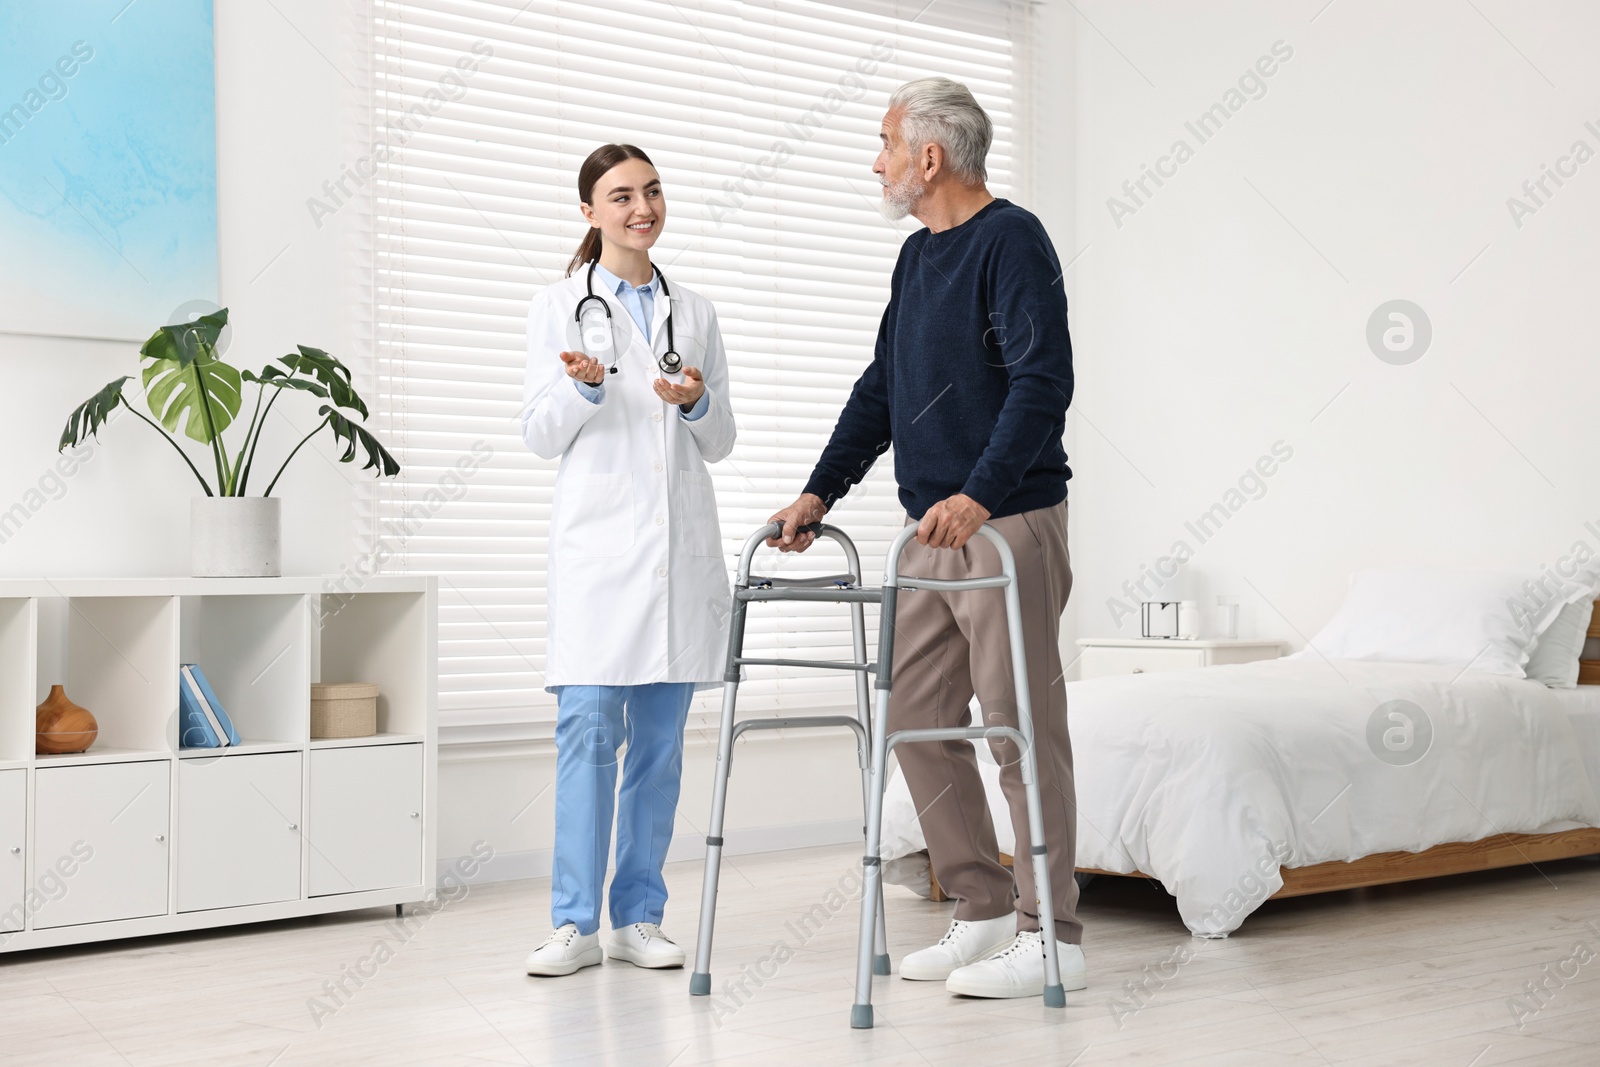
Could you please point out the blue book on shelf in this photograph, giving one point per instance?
(194, 728)
(229, 735)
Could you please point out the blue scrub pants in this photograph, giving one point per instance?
(592, 723)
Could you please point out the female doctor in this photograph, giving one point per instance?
(627, 384)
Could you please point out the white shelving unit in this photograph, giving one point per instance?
(138, 836)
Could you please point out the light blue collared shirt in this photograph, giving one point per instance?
(640, 302)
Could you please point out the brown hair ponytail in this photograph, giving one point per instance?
(600, 160)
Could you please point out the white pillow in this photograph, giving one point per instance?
(1555, 656)
(1486, 620)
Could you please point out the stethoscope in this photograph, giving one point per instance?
(670, 362)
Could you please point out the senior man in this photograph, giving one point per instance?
(970, 382)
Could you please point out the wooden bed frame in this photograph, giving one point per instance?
(1383, 868)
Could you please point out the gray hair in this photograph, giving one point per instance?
(943, 112)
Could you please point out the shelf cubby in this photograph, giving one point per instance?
(255, 652)
(116, 656)
(372, 637)
(17, 700)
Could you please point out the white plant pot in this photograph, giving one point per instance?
(235, 536)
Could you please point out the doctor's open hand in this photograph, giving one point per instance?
(580, 368)
(803, 512)
(951, 522)
(686, 394)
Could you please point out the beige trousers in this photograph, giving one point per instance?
(949, 646)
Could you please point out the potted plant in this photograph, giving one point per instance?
(190, 390)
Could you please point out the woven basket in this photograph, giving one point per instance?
(344, 709)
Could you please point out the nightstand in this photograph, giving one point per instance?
(1102, 656)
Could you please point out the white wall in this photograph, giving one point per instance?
(788, 790)
(1050, 190)
(1229, 310)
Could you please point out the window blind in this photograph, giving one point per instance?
(762, 118)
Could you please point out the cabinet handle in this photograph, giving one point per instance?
(294, 826)
(1138, 670)
(415, 815)
(161, 837)
(16, 850)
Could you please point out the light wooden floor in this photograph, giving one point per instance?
(1418, 974)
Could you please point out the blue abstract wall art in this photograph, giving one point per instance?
(108, 174)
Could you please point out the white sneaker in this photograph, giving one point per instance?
(1018, 970)
(565, 951)
(644, 945)
(964, 943)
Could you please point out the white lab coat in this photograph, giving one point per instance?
(637, 591)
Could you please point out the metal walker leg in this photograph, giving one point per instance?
(880, 937)
(883, 742)
(747, 588)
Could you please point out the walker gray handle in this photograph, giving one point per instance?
(893, 577)
(821, 529)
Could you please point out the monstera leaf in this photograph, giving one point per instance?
(185, 382)
(281, 379)
(87, 418)
(329, 373)
(351, 433)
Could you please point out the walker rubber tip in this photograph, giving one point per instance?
(699, 985)
(1055, 996)
(861, 1016)
(880, 964)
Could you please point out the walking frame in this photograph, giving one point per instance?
(874, 742)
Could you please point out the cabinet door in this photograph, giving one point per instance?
(364, 823)
(13, 849)
(1100, 661)
(238, 830)
(103, 829)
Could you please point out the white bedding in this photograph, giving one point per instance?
(1205, 779)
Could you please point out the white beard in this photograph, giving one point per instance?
(900, 197)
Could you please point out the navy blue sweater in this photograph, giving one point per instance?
(972, 374)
